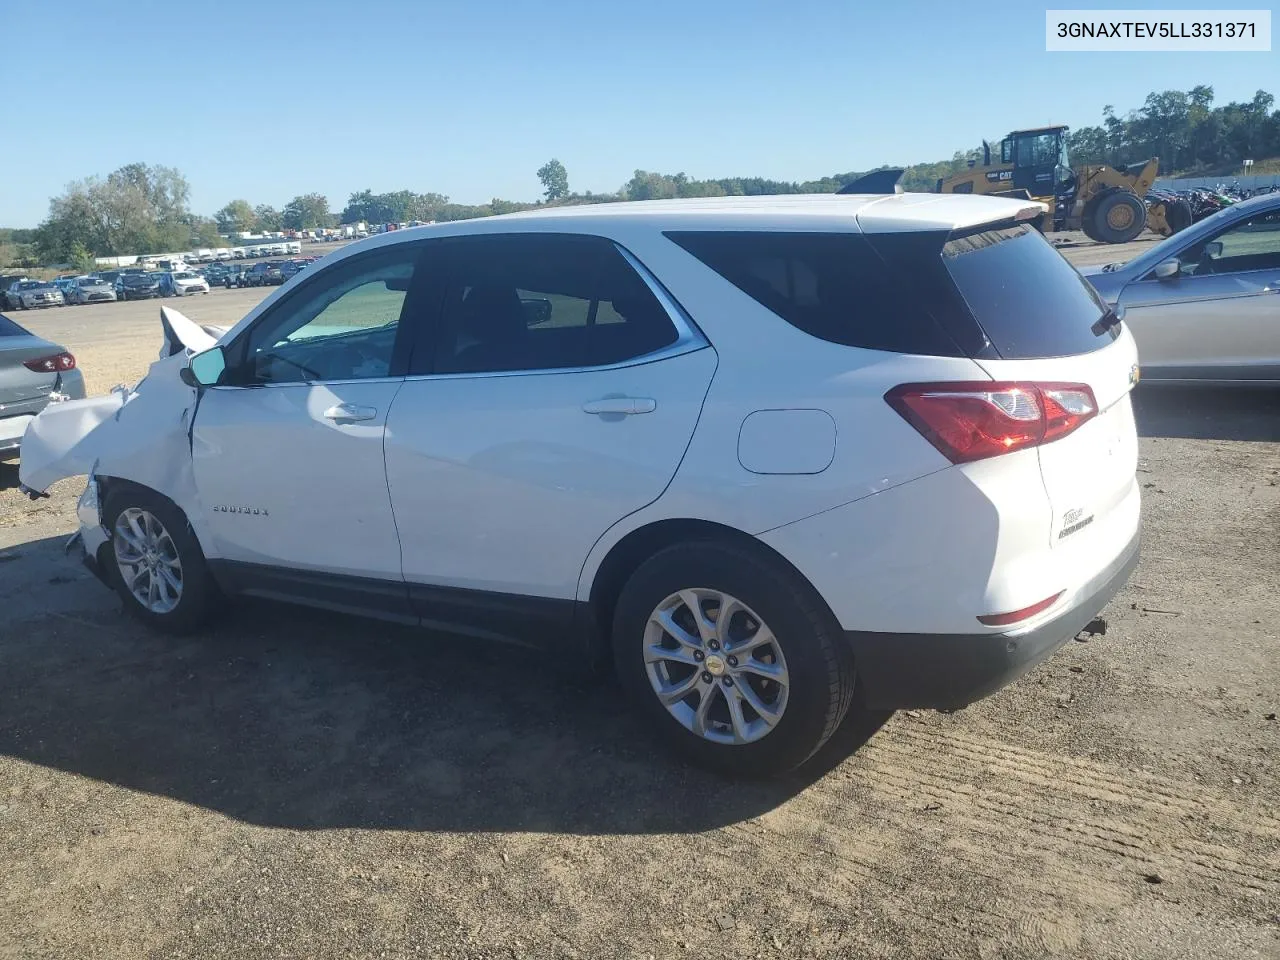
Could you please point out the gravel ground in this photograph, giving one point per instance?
(294, 784)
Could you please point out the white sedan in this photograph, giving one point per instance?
(184, 283)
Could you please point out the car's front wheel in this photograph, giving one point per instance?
(160, 569)
(734, 658)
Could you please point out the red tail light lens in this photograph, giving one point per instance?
(56, 363)
(970, 421)
(1026, 613)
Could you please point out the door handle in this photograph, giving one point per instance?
(620, 406)
(349, 413)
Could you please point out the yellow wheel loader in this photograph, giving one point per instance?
(1106, 203)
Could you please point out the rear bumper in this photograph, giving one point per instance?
(950, 671)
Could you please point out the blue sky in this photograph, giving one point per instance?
(271, 99)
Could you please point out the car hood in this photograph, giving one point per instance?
(139, 433)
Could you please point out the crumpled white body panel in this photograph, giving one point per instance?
(142, 435)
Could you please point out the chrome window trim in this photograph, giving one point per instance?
(688, 339)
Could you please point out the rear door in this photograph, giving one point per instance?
(558, 394)
(1046, 325)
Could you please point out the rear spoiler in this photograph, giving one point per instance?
(877, 182)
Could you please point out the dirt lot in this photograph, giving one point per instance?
(300, 785)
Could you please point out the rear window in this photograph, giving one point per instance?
(10, 329)
(834, 286)
(1028, 300)
(999, 292)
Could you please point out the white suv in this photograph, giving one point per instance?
(757, 450)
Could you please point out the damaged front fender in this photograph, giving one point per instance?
(142, 435)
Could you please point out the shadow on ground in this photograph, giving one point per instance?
(291, 718)
(1208, 413)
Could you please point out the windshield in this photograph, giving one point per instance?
(1170, 246)
(184, 276)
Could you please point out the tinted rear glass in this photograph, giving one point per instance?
(10, 329)
(834, 286)
(1028, 300)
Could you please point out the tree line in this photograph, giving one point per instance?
(145, 209)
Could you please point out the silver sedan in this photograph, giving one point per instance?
(33, 374)
(1204, 305)
(90, 290)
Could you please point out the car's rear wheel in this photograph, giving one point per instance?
(160, 570)
(734, 658)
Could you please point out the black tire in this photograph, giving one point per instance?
(1178, 215)
(1112, 207)
(818, 662)
(198, 596)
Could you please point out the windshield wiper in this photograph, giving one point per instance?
(1105, 322)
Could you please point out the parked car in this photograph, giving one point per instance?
(64, 284)
(265, 273)
(108, 276)
(214, 274)
(736, 447)
(9, 295)
(90, 290)
(137, 286)
(34, 294)
(291, 267)
(33, 374)
(184, 283)
(1204, 304)
(235, 276)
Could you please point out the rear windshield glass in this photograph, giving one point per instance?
(10, 329)
(830, 285)
(1028, 300)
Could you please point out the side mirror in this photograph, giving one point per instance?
(536, 310)
(1167, 269)
(205, 369)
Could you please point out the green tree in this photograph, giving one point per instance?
(268, 217)
(306, 212)
(81, 257)
(555, 180)
(236, 216)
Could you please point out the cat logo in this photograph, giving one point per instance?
(1135, 374)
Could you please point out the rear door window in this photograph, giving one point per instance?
(543, 302)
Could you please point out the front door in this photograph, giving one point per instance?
(1219, 316)
(1036, 157)
(288, 453)
(558, 395)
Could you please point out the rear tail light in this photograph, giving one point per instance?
(974, 420)
(56, 363)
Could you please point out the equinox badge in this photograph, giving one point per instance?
(249, 511)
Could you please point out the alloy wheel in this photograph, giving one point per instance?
(148, 560)
(716, 666)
